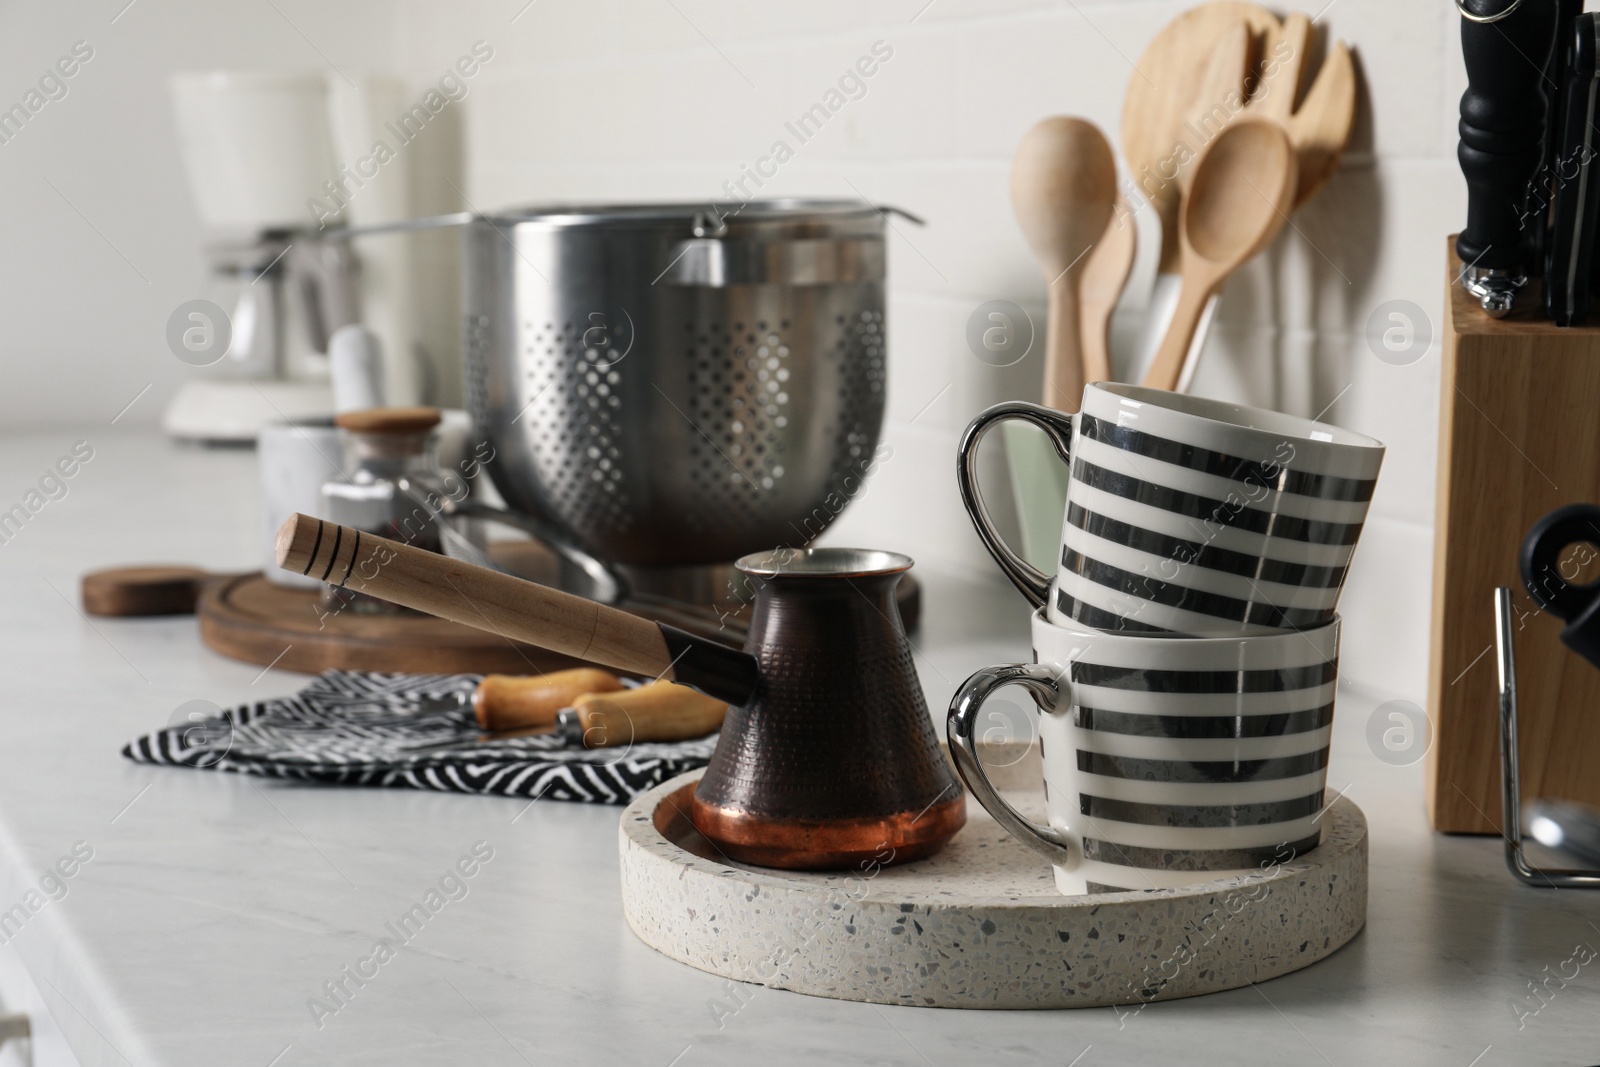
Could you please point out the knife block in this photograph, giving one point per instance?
(1519, 435)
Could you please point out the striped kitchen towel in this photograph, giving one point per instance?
(356, 728)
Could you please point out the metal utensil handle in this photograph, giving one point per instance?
(511, 607)
(1505, 635)
(960, 725)
(426, 222)
(609, 586)
(1032, 582)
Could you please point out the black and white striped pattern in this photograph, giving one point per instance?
(350, 728)
(1195, 517)
(1188, 755)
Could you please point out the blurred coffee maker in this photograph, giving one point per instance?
(269, 157)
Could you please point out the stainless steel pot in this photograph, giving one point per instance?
(677, 385)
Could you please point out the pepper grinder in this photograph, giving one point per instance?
(1507, 46)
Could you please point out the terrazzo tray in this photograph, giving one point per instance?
(981, 925)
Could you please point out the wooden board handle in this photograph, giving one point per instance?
(511, 607)
(129, 591)
(510, 702)
(660, 711)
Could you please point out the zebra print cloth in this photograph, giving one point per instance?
(353, 728)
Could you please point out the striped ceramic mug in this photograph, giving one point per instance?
(1189, 516)
(1167, 761)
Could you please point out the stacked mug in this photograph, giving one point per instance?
(1186, 651)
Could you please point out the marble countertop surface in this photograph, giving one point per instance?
(215, 907)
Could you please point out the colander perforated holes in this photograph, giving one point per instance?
(783, 387)
(570, 402)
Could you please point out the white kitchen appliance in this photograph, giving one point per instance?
(272, 158)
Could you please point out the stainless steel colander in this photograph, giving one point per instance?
(675, 385)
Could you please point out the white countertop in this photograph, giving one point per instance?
(216, 905)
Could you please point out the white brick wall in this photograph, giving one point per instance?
(651, 99)
(635, 103)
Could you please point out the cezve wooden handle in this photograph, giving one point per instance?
(511, 607)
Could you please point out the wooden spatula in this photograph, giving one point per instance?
(1318, 124)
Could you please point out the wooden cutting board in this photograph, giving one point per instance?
(1518, 437)
(250, 618)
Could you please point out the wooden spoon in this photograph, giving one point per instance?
(1160, 102)
(1105, 276)
(1210, 51)
(1064, 191)
(1244, 188)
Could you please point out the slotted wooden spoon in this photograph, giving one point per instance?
(1318, 124)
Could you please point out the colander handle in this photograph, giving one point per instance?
(1032, 582)
(513, 608)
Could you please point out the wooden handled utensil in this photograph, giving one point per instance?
(1318, 124)
(1190, 82)
(512, 607)
(659, 711)
(827, 756)
(1243, 191)
(1172, 76)
(1064, 192)
(513, 702)
(1105, 276)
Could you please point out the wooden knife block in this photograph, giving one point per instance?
(1519, 435)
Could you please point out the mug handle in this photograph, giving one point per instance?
(1033, 583)
(1046, 689)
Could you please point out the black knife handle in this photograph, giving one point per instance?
(1569, 262)
(1502, 127)
(1542, 201)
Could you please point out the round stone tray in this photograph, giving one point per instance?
(981, 925)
